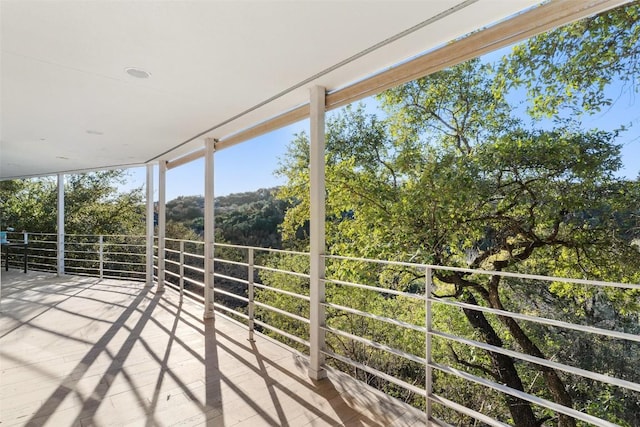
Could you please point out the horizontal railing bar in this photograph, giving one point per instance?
(490, 272)
(539, 361)
(230, 310)
(230, 294)
(193, 295)
(226, 261)
(127, 278)
(376, 317)
(524, 396)
(39, 264)
(189, 254)
(172, 286)
(374, 288)
(72, 267)
(281, 291)
(124, 271)
(81, 260)
(542, 320)
(376, 345)
(171, 273)
(281, 332)
(192, 268)
(128, 254)
(235, 279)
(283, 312)
(467, 411)
(197, 242)
(277, 270)
(107, 261)
(172, 262)
(256, 248)
(412, 388)
(194, 282)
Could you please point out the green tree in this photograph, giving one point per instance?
(93, 204)
(451, 178)
(572, 66)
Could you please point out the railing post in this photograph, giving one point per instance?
(251, 293)
(26, 250)
(181, 268)
(101, 254)
(428, 323)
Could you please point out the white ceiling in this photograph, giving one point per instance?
(67, 103)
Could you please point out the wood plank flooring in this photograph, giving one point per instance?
(79, 351)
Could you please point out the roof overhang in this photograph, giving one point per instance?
(220, 69)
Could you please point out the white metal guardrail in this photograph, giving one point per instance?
(104, 256)
(268, 291)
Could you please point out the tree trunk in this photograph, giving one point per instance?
(551, 377)
(521, 411)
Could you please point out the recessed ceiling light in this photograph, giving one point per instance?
(94, 132)
(137, 73)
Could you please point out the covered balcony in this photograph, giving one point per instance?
(133, 330)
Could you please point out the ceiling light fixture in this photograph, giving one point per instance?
(138, 73)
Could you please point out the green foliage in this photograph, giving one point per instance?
(93, 204)
(571, 67)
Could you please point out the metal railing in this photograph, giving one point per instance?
(401, 327)
(104, 256)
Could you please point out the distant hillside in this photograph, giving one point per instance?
(251, 218)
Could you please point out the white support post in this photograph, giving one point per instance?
(60, 224)
(101, 255)
(428, 352)
(162, 221)
(150, 224)
(209, 224)
(317, 232)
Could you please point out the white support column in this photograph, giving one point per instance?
(60, 224)
(162, 221)
(150, 224)
(317, 232)
(209, 224)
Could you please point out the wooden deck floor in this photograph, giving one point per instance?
(88, 352)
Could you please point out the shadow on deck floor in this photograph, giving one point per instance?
(80, 351)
